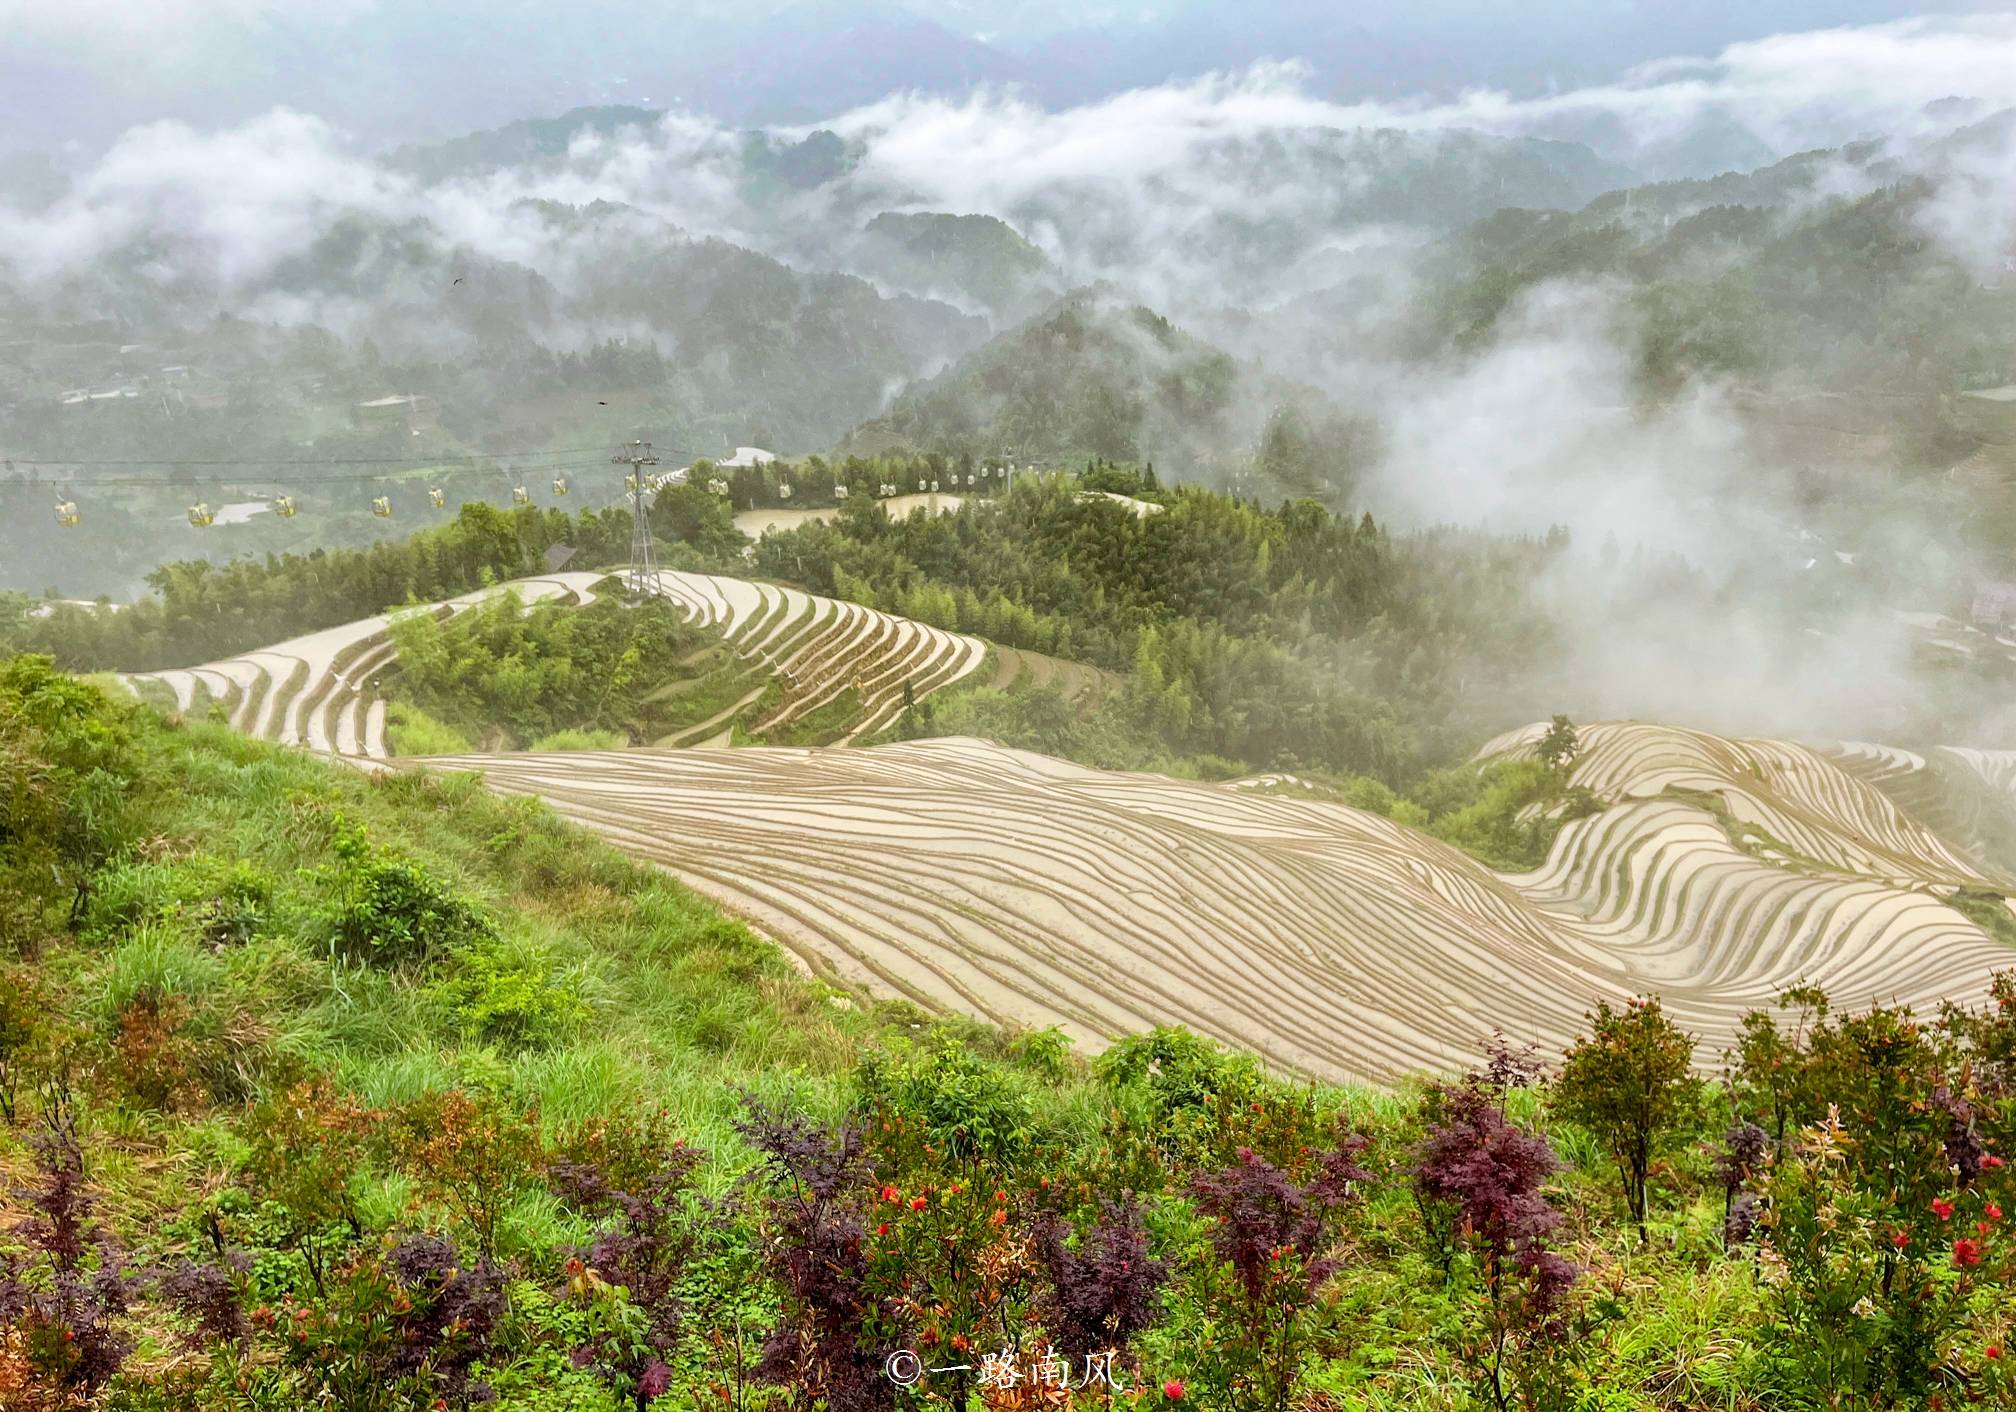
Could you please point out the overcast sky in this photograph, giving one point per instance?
(76, 74)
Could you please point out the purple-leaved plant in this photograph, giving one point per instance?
(644, 1247)
(1477, 1180)
(67, 1306)
(829, 1343)
(1274, 1235)
(1107, 1291)
(211, 1293)
(1745, 1147)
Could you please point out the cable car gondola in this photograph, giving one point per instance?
(436, 496)
(66, 514)
(559, 485)
(283, 506)
(520, 496)
(382, 507)
(201, 516)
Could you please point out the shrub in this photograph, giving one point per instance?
(69, 768)
(211, 1294)
(829, 1325)
(967, 1108)
(1877, 1213)
(398, 1328)
(1477, 1180)
(152, 1055)
(632, 1270)
(1181, 1076)
(1273, 1237)
(392, 913)
(1107, 1291)
(503, 996)
(1630, 1082)
(471, 1152)
(309, 1146)
(66, 1296)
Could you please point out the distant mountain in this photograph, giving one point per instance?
(533, 142)
(962, 259)
(1094, 376)
(612, 323)
(1760, 278)
(801, 356)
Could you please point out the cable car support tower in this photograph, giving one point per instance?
(643, 576)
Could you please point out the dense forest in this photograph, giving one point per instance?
(199, 612)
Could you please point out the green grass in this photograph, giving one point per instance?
(820, 725)
(411, 731)
(581, 740)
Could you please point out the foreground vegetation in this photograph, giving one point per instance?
(325, 1090)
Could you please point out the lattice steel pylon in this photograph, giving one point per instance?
(643, 576)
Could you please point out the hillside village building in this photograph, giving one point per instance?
(414, 412)
(1995, 606)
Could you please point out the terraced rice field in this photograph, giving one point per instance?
(1967, 796)
(820, 652)
(1082, 685)
(810, 663)
(316, 691)
(757, 523)
(1334, 942)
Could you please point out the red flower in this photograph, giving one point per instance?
(1901, 1239)
(1173, 1390)
(889, 1193)
(1992, 1211)
(1965, 1253)
(917, 1203)
(882, 1230)
(1000, 1195)
(1991, 1160)
(1942, 1208)
(999, 1218)
(1992, 1351)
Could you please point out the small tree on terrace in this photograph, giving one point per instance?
(1629, 1083)
(1559, 747)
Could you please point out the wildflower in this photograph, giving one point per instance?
(1173, 1390)
(1864, 1307)
(1992, 1351)
(882, 1229)
(999, 1218)
(1901, 1239)
(1965, 1253)
(1992, 1211)
(918, 1203)
(1000, 1195)
(1942, 1208)
(1991, 1160)
(889, 1193)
